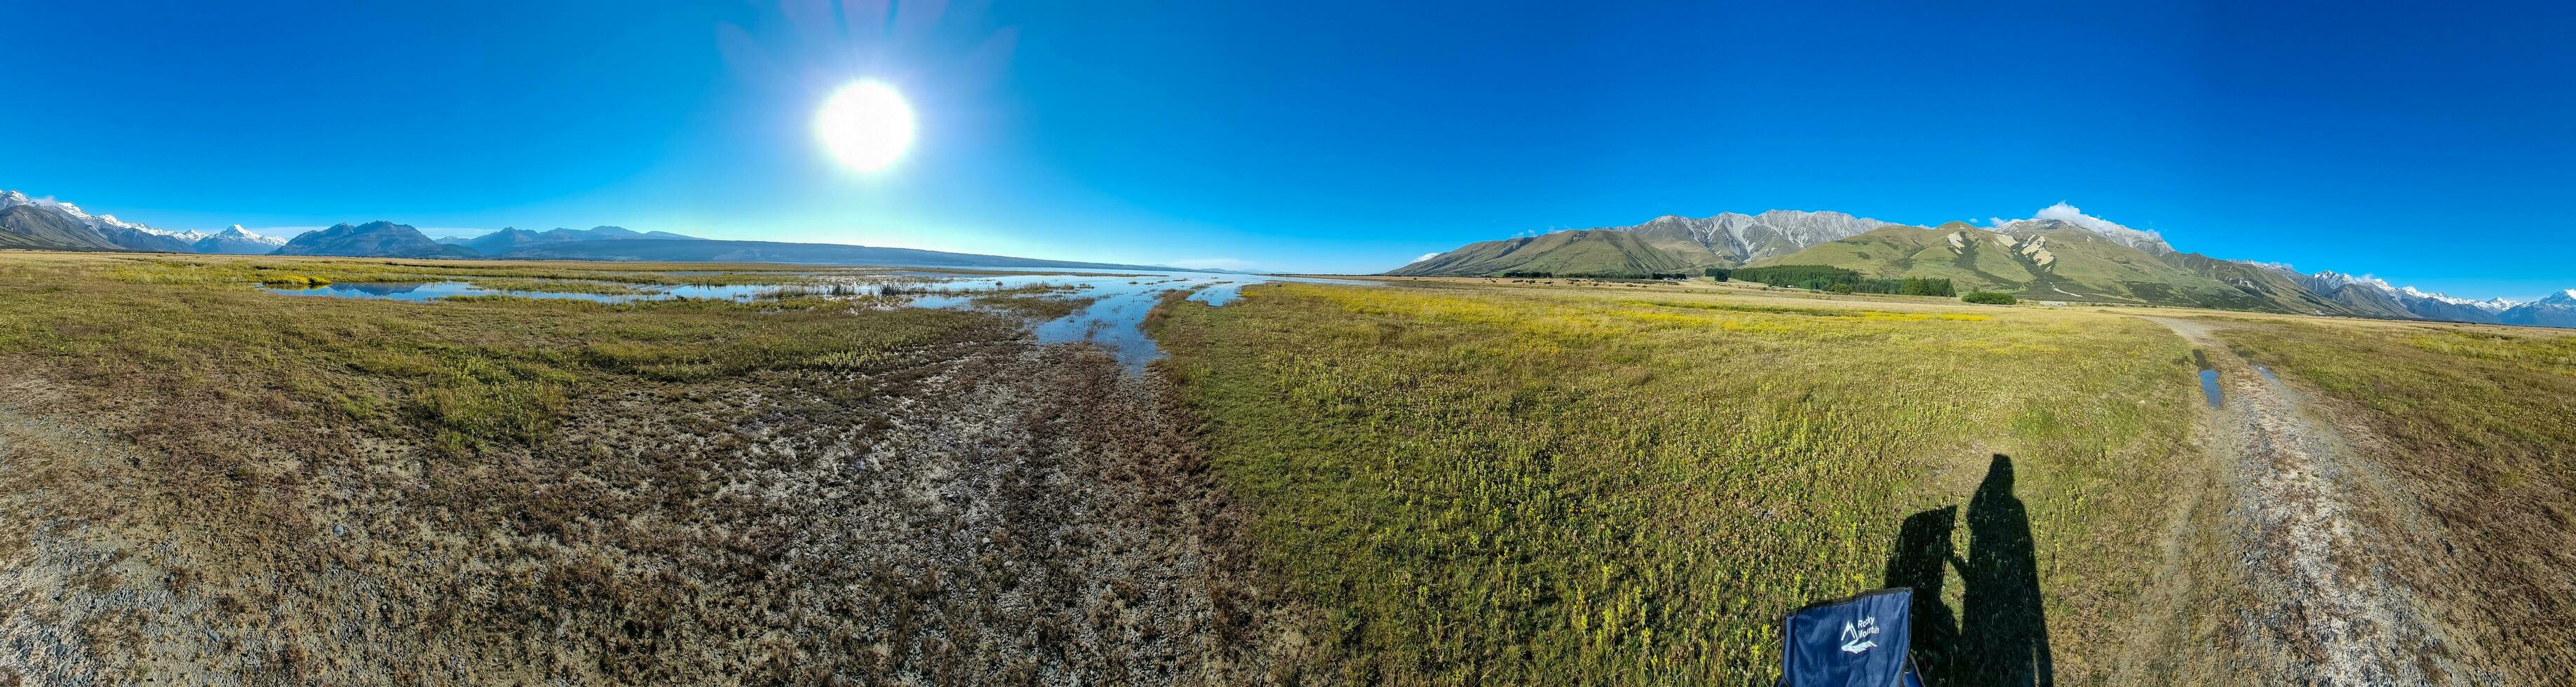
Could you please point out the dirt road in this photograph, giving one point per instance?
(2330, 609)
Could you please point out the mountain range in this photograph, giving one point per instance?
(510, 239)
(48, 224)
(2059, 255)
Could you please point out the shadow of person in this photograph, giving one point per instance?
(1921, 561)
(2003, 629)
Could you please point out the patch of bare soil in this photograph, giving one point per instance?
(2320, 536)
(998, 513)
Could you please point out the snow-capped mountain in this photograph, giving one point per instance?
(235, 239)
(2558, 310)
(131, 235)
(104, 224)
(2375, 296)
(139, 236)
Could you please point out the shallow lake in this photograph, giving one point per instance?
(1111, 321)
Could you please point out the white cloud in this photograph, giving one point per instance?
(2073, 215)
(1214, 264)
(1425, 256)
(2106, 228)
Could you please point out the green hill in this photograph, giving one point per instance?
(2054, 261)
(1584, 251)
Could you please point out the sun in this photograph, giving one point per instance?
(866, 125)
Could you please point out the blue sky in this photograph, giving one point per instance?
(2429, 144)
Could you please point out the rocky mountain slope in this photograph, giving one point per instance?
(1582, 251)
(2060, 253)
(1730, 239)
(2042, 259)
(117, 233)
(35, 226)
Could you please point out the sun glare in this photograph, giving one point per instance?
(866, 125)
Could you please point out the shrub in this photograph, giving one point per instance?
(293, 281)
(1989, 297)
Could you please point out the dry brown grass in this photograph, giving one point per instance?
(201, 482)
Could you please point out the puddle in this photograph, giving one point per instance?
(1118, 306)
(2267, 373)
(2209, 378)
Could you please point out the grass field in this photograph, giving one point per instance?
(201, 482)
(1532, 486)
(1435, 481)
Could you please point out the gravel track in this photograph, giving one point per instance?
(2331, 610)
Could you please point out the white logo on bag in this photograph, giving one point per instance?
(1856, 636)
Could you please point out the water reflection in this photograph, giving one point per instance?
(1111, 320)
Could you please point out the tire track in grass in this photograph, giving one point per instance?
(2331, 610)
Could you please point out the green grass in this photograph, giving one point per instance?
(467, 371)
(1507, 486)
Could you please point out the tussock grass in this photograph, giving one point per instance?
(1508, 486)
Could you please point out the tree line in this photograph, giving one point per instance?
(1839, 280)
(1540, 274)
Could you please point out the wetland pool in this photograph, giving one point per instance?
(1111, 320)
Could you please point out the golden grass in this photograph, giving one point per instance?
(1512, 485)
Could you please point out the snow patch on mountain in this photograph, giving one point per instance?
(2327, 281)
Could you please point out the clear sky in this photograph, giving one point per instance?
(2431, 144)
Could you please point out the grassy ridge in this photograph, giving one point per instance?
(1517, 487)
